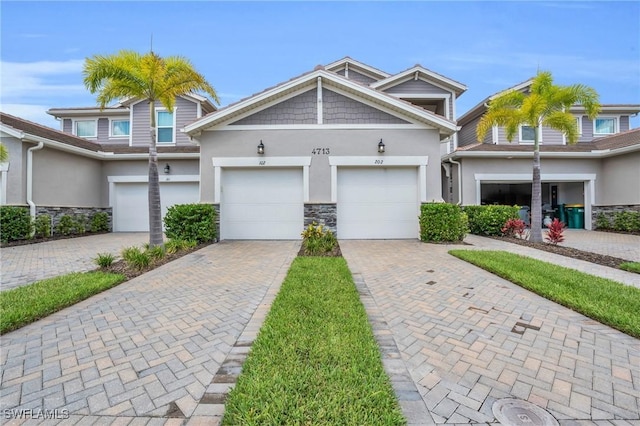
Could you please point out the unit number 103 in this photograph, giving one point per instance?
(320, 151)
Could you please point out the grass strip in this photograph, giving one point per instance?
(315, 360)
(631, 267)
(604, 300)
(23, 305)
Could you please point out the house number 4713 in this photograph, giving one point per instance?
(320, 151)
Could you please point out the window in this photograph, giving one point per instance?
(604, 126)
(527, 134)
(165, 127)
(85, 128)
(119, 128)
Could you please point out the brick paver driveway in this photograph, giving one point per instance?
(32, 262)
(148, 348)
(469, 338)
(624, 246)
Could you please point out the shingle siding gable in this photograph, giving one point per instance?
(339, 109)
(301, 109)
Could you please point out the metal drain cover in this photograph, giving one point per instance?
(515, 412)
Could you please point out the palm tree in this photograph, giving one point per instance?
(129, 74)
(547, 105)
(4, 153)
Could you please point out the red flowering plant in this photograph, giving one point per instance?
(515, 228)
(555, 232)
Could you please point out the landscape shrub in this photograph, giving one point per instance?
(80, 222)
(318, 241)
(66, 225)
(192, 222)
(136, 258)
(489, 220)
(555, 232)
(99, 222)
(603, 221)
(15, 223)
(42, 226)
(442, 222)
(104, 260)
(174, 246)
(515, 228)
(626, 221)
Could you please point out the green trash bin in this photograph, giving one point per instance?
(579, 217)
(575, 214)
(562, 214)
(570, 217)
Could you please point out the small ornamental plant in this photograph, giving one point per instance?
(515, 228)
(555, 232)
(318, 241)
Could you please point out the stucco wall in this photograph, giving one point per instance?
(300, 143)
(620, 180)
(16, 186)
(65, 179)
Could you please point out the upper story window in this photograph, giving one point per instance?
(86, 128)
(527, 134)
(604, 126)
(165, 127)
(120, 128)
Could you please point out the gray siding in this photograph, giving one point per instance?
(360, 78)
(549, 137)
(624, 123)
(417, 86)
(301, 109)
(339, 109)
(103, 130)
(67, 125)
(467, 135)
(186, 112)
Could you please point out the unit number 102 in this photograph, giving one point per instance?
(320, 151)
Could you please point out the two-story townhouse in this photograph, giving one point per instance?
(599, 172)
(345, 145)
(98, 160)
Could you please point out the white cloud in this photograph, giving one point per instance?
(36, 113)
(38, 80)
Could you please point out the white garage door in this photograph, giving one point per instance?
(261, 204)
(131, 205)
(378, 203)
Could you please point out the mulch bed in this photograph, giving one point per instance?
(599, 259)
(336, 252)
(120, 266)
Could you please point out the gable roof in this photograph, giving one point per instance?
(617, 144)
(419, 71)
(32, 132)
(328, 79)
(481, 106)
(357, 66)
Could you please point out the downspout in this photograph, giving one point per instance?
(32, 205)
(459, 180)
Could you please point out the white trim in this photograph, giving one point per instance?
(428, 96)
(545, 154)
(319, 105)
(616, 125)
(131, 125)
(257, 162)
(495, 135)
(375, 73)
(447, 106)
(175, 133)
(237, 127)
(74, 129)
(113, 180)
(424, 75)
(380, 161)
(587, 178)
(111, 136)
(4, 171)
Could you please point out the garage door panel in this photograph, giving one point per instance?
(264, 203)
(377, 203)
(131, 202)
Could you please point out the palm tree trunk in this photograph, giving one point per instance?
(155, 208)
(536, 192)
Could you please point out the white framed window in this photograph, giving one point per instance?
(605, 126)
(579, 125)
(528, 134)
(165, 126)
(85, 128)
(119, 128)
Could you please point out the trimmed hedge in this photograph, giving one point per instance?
(626, 221)
(489, 220)
(191, 222)
(442, 222)
(15, 223)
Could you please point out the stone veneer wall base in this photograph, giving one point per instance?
(325, 214)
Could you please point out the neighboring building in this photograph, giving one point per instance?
(601, 171)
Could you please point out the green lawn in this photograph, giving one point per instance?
(315, 361)
(631, 267)
(23, 305)
(604, 300)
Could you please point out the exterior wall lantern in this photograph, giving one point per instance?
(381, 147)
(260, 148)
(167, 169)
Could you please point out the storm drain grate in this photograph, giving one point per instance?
(515, 412)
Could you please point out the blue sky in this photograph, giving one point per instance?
(245, 47)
